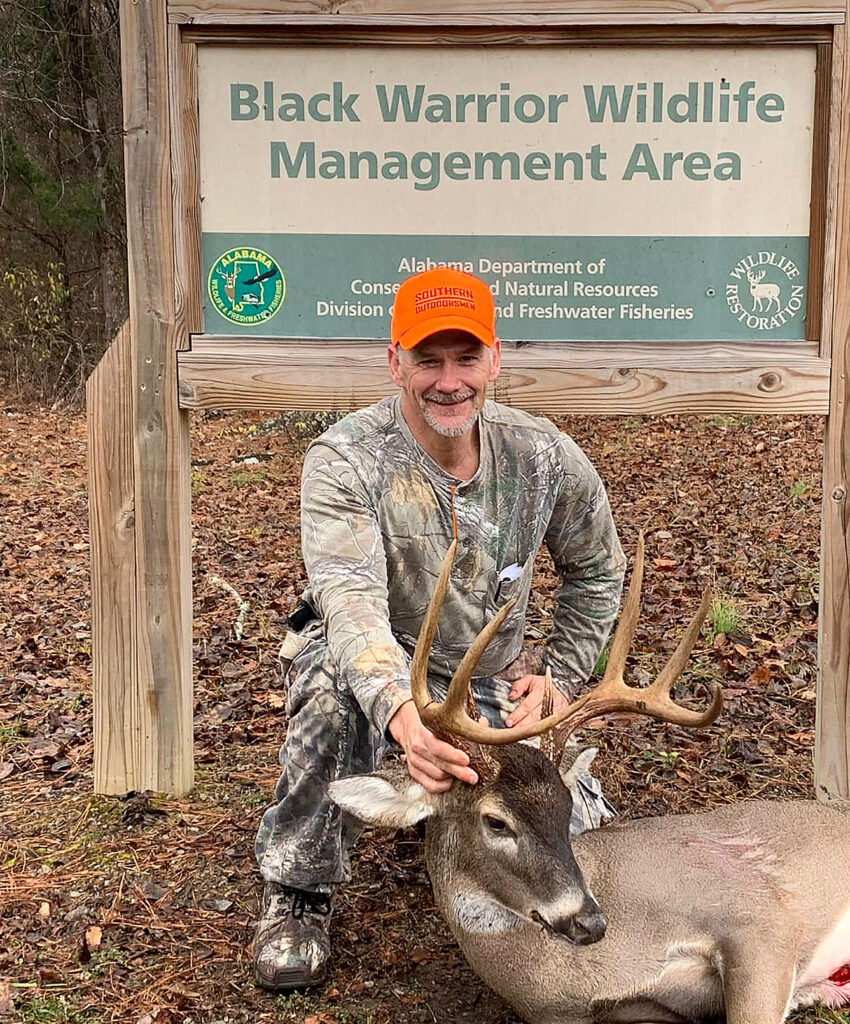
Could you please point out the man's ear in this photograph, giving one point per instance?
(496, 367)
(383, 799)
(576, 762)
(394, 359)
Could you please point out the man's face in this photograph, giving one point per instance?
(444, 379)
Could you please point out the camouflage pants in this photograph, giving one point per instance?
(303, 839)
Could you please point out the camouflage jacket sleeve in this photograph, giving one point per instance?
(583, 542)
(344, 555)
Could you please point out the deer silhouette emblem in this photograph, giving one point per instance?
(230, 284)
(762, 293)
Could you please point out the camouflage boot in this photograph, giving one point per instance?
(291, 945)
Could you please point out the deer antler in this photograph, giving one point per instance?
(612, 694)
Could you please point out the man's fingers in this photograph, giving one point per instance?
(464, 774)
(425, 766)
(520, 687)
(453, 761)
(447, 753)
(431, 785)
(422, 769)
(530, 706)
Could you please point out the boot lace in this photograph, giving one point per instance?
(314, 902)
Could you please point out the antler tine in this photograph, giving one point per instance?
(549, 741)
(451, 716)
(422, 652)
(621, 642)
(660, 689)
(611, 695)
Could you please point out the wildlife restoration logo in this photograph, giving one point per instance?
(246, 286)
(764, 293)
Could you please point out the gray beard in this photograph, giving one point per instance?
(444, 431)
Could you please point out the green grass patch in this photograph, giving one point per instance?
(725, 617)
(728, 422)
(10, 735)
(249, 477)
(54, 1010)
(602, 661)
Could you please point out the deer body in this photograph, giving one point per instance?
(735, 915)
(738, 902)
(762, 293)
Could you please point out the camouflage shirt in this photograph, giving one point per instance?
(376, 522)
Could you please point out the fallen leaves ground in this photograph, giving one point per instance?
(141, 909)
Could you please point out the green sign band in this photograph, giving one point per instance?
(546, 288)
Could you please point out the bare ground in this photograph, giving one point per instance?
(141, 909)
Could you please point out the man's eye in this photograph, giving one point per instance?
(496, 824)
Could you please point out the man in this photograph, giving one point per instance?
(381, 492)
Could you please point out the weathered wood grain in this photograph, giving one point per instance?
(832, 750)
(277, 378)
(590, 11)
(836, 97)
(160, 430)
(820, 174)
(118, 709)
(186, 184)
(347, 353)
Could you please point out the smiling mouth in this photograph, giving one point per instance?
(445, 402)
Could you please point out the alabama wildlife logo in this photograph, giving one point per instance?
(246, 286)
(765, 290)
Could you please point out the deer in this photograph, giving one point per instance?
(230, 283)
(739, 914)
(762, 292)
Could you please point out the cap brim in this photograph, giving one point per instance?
(419, 332)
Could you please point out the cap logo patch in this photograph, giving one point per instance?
(443, 295)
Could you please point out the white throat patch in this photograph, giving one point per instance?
(481, 914)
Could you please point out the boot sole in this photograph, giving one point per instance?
(289, 978)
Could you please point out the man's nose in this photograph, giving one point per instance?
(448, 379)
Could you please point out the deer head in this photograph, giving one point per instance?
(499, 852)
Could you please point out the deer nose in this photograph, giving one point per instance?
(586, 927)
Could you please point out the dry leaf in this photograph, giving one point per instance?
(761, 676)
(44, 910)
(276, 701)
(664, 563)
(93, 936)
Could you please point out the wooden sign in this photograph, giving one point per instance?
(610, 193)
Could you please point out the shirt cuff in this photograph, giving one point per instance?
(386, 704)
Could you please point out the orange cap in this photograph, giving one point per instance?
(443, 299)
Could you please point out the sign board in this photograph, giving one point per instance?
(608, 193)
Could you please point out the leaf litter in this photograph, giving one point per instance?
(141, 908)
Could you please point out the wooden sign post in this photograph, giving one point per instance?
(655, 192)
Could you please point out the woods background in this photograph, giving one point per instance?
(63, 288)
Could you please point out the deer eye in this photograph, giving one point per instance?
(497, 825)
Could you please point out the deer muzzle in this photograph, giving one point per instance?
(584, 928)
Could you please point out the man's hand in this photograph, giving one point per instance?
(533, 688)
(431, 762)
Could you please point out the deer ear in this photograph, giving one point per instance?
(383, 800)
(575, 763)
